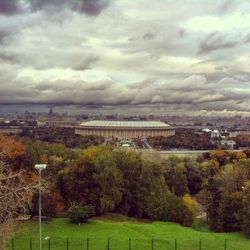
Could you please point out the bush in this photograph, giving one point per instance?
(80, 214)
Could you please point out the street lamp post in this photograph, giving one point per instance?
(40, 167)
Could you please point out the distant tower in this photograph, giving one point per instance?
(51, 112)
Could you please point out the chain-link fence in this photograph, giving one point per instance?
(123, 244)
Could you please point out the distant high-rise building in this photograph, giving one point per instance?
(51, 112)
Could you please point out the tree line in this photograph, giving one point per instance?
(183, 139)
(123, 181)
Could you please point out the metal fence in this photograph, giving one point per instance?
(129, 244)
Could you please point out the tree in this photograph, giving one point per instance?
(191, 204)
(247, 152)
(236, 156)
(178, 211)
(48, 206)
(94, 179)
(242, 141)
(246, 210)
(16, 186)
(231, 211)
(222, 156)
(170, 207)
(80, 214)
(142, 179)
(233, 177)
(194, 175)
(213, 201)
(176, 179)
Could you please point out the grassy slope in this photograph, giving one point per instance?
(120, 229)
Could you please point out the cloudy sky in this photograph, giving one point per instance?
(140, 56)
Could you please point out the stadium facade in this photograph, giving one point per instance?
(125, 130)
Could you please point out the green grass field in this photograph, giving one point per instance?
(119, 229)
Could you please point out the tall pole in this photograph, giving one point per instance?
(40, 212)
(40, 167)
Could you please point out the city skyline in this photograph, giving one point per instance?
(162, 57)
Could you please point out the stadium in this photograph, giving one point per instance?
(125, 130)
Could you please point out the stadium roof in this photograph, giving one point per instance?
(128, 124)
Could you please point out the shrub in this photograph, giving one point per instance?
(80, 214)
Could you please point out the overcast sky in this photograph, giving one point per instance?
(161, 56)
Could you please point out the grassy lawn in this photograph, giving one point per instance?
(119, 229)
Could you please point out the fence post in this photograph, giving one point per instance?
(200, 244)
(67, 243)
(152, 244)
(30, 243)
(225, 244)
(108, 243)
(49, 244)
(87, 243)
(129, 244)
(12, 244)
(175, 244)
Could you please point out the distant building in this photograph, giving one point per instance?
(228, 144)
(56, 123)
(125, 130)
(215, 133)
(207, 130)
(10, 130)
(236, 133)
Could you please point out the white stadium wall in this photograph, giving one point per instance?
(125, 130)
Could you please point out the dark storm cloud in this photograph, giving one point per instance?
(216, 41)
(193, 90)
(88, 7)
(10, 7)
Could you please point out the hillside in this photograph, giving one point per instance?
(119, 229)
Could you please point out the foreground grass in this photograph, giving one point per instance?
(119, 229)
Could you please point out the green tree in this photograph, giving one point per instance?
(246, 210)
(176, 178)
(48, 207)
(94, 179)
(80, 214)
(213, 201)
(141, 178)
(194, 173)
(231, 211)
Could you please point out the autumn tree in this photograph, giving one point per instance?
(16, 186)
(222, 156)
(242, 141)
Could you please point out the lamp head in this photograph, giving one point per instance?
(40, 167)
